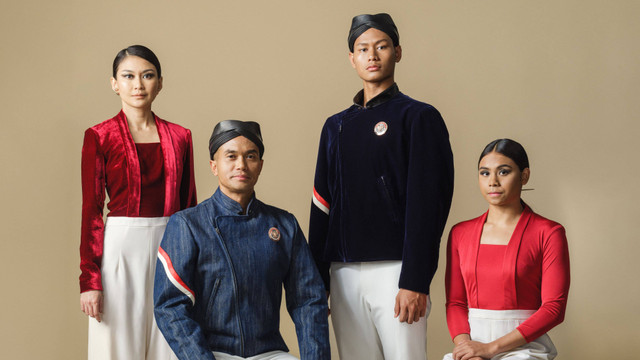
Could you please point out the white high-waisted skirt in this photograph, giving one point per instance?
(128, 329)
(489, 325)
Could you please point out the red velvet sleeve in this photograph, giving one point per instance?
(188, 184)
(457, 305)
(93, 196)
(554, 287)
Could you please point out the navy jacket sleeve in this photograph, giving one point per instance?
(173, 295)
(428, 198)
(320, 205)
(307, 302)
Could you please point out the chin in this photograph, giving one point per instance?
(244, 189)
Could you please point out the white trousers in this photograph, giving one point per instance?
(128, 329)
(363, 297)
(489, 325)
(271, 355)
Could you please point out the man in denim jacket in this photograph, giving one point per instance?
(222, 266)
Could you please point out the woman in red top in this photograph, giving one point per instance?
(145, 164)
(507, 276)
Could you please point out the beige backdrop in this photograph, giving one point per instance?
(562, 77)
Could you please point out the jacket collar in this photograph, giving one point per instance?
(381, 98)
(230, 206)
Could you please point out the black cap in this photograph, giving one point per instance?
(231, 129)
(364, 22)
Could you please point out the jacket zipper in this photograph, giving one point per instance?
(235, 291)
(343, 243)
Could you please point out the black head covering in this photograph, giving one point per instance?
(364, 22)
(230, 129)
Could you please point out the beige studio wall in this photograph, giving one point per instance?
(562, 77)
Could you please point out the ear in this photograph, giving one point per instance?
(214, 167)
(114, 84)
(353, 64)
(160, 84)
(260, 167)
(398, 53)
(525, 176)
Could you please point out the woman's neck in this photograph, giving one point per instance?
(505, 215)
(138, 119)
(142, 125)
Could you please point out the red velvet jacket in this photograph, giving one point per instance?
(535, 273)
(110, 161)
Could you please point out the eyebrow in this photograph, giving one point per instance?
(234, 151)
(143, 71)
(375, 43)
(498, 167)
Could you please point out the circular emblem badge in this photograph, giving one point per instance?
(380, 128)
(274, 234)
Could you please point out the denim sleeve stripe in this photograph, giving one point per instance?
(173, 275)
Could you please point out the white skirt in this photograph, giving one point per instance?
(489, 325)
(128, 329)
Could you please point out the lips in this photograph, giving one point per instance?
(373, 67)
(241, 177)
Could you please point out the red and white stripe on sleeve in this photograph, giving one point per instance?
(173, 275)
(321, 203)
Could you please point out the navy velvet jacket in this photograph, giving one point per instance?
(383, 187)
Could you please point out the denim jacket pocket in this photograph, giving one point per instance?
(212, 298)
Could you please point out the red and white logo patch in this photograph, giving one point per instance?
(274, 234)
(380, 128)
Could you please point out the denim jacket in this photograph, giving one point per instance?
(219, 279)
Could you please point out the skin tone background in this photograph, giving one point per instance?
(561, 77)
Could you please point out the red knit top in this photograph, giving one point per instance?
(534, 274)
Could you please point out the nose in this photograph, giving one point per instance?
(137, 83)
(373, 54)
(241, 163)
(493, 180)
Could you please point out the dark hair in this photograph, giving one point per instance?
(139, 51)
(509, 148)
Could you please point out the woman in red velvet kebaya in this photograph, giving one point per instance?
(145, 166)
(507, 276)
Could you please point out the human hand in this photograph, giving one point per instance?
(91, 303)
(410, 306)
(471, 350)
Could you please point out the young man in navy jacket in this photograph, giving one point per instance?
(222, 266)
(381, 197)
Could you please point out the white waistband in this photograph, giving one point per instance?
(136, 221)
(500, 314)
(364, 265)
